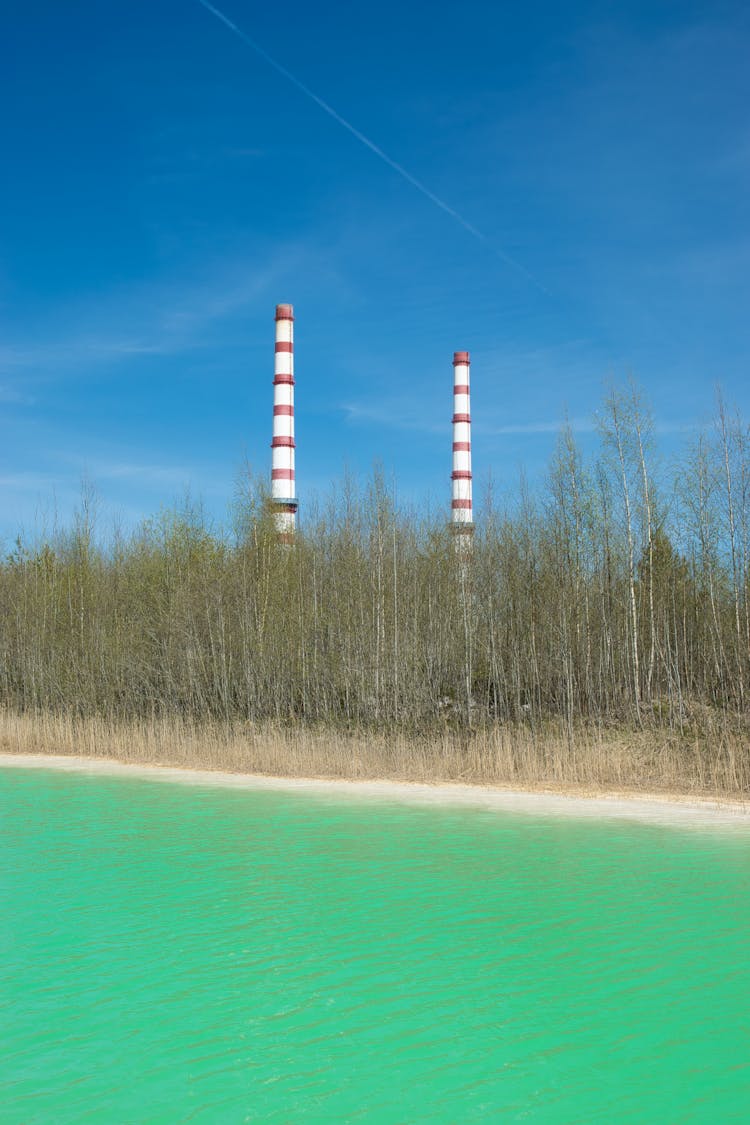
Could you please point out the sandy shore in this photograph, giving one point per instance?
(667, 809)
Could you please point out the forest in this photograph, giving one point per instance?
(607, 610)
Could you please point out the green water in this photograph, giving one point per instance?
(172, 954)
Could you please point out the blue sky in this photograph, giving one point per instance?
(163, 188)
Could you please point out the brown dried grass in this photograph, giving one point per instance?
(592, 759)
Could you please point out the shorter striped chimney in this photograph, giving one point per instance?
(283, 495)
(461, 510)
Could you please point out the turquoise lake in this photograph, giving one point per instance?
(175, 953)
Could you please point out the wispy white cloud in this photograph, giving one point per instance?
(713, 263)
(141, 471)
(176, 475)
(70, 471)
(28, 482)
(175, 156)
(240, 153)
(394, 415)
(398, 416)
(401, 416)
(577, 425)
(125, 491)
(158, 318)
(13, 395)
(147, 475)
(74, 350)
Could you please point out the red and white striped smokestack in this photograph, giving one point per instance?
(283, 493)
(461, 510)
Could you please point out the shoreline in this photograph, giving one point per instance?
(671, 809)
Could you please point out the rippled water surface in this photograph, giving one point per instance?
(171, 954)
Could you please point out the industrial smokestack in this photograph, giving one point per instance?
(461, 510)
(283, 497)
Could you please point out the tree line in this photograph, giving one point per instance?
(617, 592)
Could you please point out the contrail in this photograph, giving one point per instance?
(405, 175)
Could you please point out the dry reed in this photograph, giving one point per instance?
(597, 759)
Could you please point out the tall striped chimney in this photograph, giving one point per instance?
(283, 498)
(461, 510)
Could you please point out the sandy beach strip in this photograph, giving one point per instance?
(667, 809)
